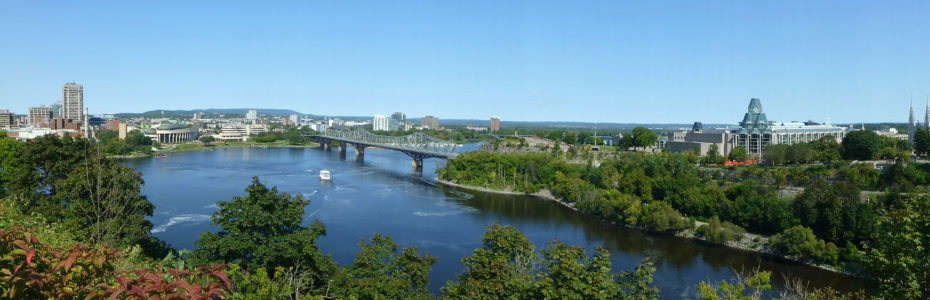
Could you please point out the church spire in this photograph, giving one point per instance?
(927, 114)
(911, 125)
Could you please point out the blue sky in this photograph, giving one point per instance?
(604, 61)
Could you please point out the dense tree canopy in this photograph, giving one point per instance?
(861, 145)
(264, 229)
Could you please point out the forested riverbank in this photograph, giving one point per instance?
(667, 193)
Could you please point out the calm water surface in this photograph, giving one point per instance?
(383, 195)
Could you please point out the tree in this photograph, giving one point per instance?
(380, 271)
(643, 137)
(922, 142)
(103, 202)
(713, 154)
(207, 139)
(739, 154)
(717, 232)
(626, 142)
(264, 229)
(584, 136)
(897, 252)
(861, 145)
(502, 268)
(10, 163)
(570, 138)
(572, 275)
(555, 135)
(775, 154)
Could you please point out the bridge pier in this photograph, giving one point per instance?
(359, 152)
(418, 164)
(342, 150)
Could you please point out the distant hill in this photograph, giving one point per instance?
(210, 111)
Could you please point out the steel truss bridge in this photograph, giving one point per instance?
(418, 146)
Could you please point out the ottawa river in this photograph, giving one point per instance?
(383, 195)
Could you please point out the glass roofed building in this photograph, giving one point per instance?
(756, 132)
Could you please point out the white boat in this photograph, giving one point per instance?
(324, 175)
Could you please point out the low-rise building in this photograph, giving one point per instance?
(173, 133)
(430, 122)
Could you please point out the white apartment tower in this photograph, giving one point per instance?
(72, 101)
(380, 123)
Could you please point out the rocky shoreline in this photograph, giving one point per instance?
(748, 242)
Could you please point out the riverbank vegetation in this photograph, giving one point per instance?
(827, 223)
(73, 225)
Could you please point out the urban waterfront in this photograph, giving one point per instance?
(383, 195)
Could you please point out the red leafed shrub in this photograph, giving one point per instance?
(31, 270)
(202, 283)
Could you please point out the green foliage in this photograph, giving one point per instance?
(505, 268)
(861, 145)
(643, 137)
(380, 271)
(897, 253)
(801, 241)
(501, 269)
(660, 216)
(739, 154)
(835, 212)
(746, 288)
(922, 142)
(716, 232)
(264, 229)
(71, 181)
(572, 275)
(798, 153)
(207, 139)
(135, 142)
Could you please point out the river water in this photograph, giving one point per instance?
(383, 195)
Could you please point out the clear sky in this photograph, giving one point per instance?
(604, 61)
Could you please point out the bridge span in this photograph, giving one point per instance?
(418, 145)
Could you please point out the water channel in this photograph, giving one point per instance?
(383, 195)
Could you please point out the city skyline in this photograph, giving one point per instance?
(620, 63)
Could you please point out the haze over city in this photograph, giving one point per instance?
(646, 62)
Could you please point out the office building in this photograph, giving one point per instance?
(39, 117)
(7, 119)
(430, 122)
(56, 109)
(123, 130)
(495, 124)
(380, 123)
(252, 115)
(294, 120)
(399, 117)
(72, 102)
(757, 132)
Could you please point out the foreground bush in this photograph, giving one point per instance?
(30, 269)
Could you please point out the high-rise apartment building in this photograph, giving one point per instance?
(252, 115)
(39, 116)
(380, 123)
(399, 117)
(430, 122)
(72, 102)
(495, 124)
(6, 119)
